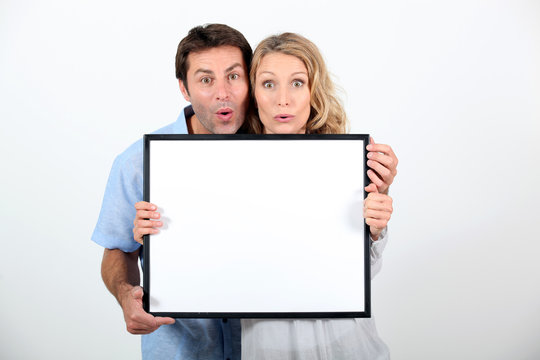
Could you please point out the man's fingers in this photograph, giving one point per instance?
(137, 320)
(144, 205)
(139, 232)
(164, 321)
(144, 323)
(375, 179)
(144, 231)
(148, 223)
(144, 227)
(138, 235)
(383, 171)
(143, 214)
(141, 324)
(382, 148)
(387, 161)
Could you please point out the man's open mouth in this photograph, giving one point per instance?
(224, 114)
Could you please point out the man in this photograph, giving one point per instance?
(212, 64)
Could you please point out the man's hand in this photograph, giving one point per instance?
(120, 272)
(377, 210)
(142, 224)
(383, 161)
(138, 321)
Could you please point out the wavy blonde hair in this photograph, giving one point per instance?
(327, 115)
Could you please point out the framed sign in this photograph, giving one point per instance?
(257, 226)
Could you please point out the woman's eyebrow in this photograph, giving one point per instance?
(293, 74)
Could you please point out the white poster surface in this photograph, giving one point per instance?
(257, 226)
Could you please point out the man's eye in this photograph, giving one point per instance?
(297, 83)
(206, 80)
(233, 76)
(268, 84)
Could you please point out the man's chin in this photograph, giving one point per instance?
(225, 129)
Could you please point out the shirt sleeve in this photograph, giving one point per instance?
(114, 229)
(376, 249)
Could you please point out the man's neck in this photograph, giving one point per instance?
(195, 127)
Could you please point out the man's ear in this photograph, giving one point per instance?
(184, 90)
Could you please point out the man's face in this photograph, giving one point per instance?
(218, 85)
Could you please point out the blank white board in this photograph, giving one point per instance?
(257, 226)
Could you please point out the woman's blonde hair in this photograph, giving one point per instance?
(327, 115)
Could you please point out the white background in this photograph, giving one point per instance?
(453, 86)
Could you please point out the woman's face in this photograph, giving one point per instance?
(282, 94)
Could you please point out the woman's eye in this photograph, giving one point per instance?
(233, 76)
(297, 83)
(206, 80)
(268, 84)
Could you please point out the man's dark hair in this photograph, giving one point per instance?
(208, 36)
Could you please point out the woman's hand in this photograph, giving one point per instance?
(142, 223)
(377, 210)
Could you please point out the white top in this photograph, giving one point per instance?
(317, 339)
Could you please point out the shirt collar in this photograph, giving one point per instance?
(180, 126)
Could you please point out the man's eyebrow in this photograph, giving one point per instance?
(233, 66)
(204, 71)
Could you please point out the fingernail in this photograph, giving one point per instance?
(369, 155)
(155, 231)
(155, 216)
(369, 147)
(159, 223)
(152, 207)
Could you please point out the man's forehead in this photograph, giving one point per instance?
(216, 59)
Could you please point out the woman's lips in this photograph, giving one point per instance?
(224, 114)
(283, 117)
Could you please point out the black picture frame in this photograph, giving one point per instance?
(151, 142)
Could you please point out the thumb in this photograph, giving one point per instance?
(371, 188)
(371, 141)
(164, 321)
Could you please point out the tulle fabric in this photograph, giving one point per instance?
(312, 339)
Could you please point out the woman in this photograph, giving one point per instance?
(293, 94)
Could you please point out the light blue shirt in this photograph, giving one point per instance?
(187, 339)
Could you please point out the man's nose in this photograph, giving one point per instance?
(222, 91)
